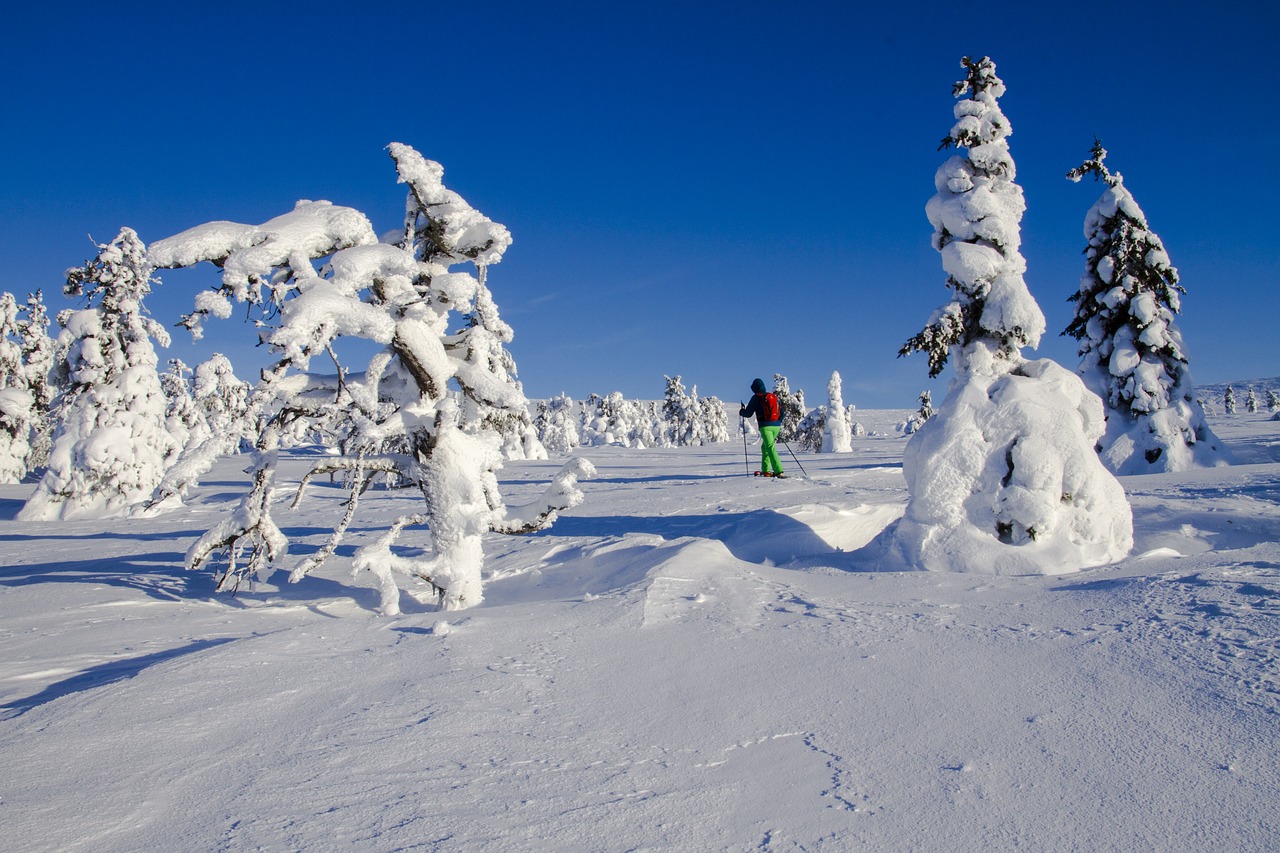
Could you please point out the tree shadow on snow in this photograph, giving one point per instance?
(104, 674)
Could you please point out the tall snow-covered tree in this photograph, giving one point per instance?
(1003, 479)
(1131, 350)
(1273, 400)
(837, 434)
(425, 389)
(16, 400)
(1229, 401)
(38, 367)
(976, 215)
(111, 446)
(1251, 401)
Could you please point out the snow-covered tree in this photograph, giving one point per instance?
(715, 423)
(791, 405)
(1003, 479)
(38, 351)
(557, 427)
(16, 401)
(1131, 351)
(111, 446)
(922, 414)
(1273, 400)
(680, 412)
(427, 388)
(1229, 404)
(1251, 401)
(811, 430)
(183, 417)
(836, 431)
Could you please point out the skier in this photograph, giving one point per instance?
(769, 418)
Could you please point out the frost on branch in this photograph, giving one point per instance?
(1131, 350)
(1003, 477)
(434, 407)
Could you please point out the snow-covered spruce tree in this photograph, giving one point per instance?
(922, 414)
(110, 447)
(1131, 351)
(811, 429)
(183, 417)
(1229, 404)
(680, 413)
(715, 423)
(1251, 401)
(1003, 479)
(1273, 400)
(222, 402)
(836, 433)
(38, 351)
(421, 390)
(16, 401)
(791, 404)
(556, 424)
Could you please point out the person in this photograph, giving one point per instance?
(769, 419)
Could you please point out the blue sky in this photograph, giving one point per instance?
(718, 190)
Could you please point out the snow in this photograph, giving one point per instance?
(691, 659)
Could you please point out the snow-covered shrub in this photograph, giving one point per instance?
(111, 445)
(836, 433)
(436, 330)
(1003, 479)
(1131, 351)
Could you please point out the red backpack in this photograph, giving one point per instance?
(769, 409)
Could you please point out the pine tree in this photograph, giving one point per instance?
(1229, 401)
(38, 368)
(1251, 401)
(1273, 400)
(1003, 478)
(791, 405)
(110, 447)
(1131, 351)
(16, 399)
(976, 215)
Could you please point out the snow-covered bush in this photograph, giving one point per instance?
(436, 330)
(836, 433)
(111, 445)
(1131, 351)
(812, 429)
(1003, 479)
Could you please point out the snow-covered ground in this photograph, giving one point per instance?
(693, 659)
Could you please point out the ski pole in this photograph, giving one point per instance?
(742, 428)
(793, 456)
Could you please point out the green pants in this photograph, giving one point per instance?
(769, 462)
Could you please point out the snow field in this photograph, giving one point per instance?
(691, 659)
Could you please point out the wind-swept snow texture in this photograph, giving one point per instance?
(692, 659)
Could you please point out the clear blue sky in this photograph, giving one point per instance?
(720, 190)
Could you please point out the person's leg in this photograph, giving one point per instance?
(769, 462)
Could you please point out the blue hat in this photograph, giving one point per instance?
(758, 386)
